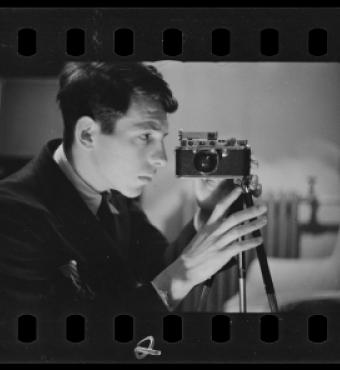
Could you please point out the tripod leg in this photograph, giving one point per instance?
(242, 282)
(262, 258)
(267, 280)
(204, 294)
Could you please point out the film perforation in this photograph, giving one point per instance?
(317, 328)
(269, 42)
(172, 328)
(27, 42)
(317, 42)
(27, 326)
(124, 42)
(269, 328)
(27, 329)
(172, 42)
(220, 42)
(123, 328)
(220, 328)
(75, 42)
(75, 328)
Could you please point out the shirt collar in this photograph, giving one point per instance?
(90, 196)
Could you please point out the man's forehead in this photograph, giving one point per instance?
(146, 111)
(146, 105)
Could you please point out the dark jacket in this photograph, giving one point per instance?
(56, 256)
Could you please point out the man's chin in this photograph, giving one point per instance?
(132, 193)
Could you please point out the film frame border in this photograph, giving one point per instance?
(196, 25)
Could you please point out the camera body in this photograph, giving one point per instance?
(202, 154)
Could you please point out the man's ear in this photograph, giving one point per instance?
(85, 132)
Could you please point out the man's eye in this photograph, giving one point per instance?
(145, 137)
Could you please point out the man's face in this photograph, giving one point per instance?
(128, 158)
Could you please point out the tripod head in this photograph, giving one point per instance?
(250, 185)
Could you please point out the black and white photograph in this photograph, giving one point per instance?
(169, 187)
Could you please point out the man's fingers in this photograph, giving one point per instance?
(242, 246)
(240, 217)
(241, 231)
(222, 206)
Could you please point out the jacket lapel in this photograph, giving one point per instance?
(76, 224)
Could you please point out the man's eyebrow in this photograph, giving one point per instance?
(149, 125)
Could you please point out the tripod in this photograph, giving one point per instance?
(250, 188)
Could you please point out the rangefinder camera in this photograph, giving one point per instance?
(203, 154)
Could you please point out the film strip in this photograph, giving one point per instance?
(35, 43)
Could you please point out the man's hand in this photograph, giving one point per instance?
(209, 192)
(212, 247)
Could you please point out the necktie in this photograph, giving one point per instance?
(114, 224)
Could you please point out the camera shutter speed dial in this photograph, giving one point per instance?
(231, 142)
(242, 142)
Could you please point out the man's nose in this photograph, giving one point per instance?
(159, 158)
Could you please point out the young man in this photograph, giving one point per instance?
(71, 232)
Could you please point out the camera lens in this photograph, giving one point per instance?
(206, 161)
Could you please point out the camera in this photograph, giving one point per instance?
(202, 154)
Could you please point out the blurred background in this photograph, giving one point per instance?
(288, 112)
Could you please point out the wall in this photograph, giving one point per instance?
(29, 115)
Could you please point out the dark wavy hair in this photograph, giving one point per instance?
(103, 91)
